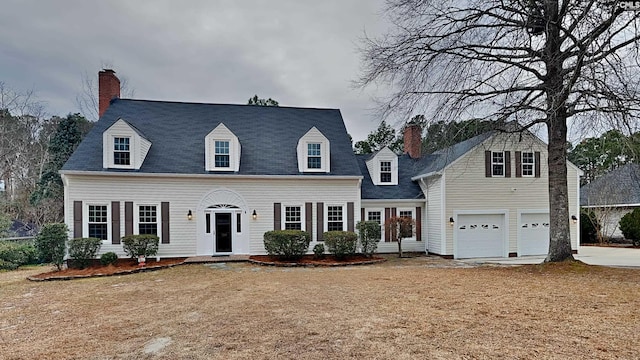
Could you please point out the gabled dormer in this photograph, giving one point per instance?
(222, 150)
(314, 152)
(124, 146)
(383, 167)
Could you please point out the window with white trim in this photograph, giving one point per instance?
(122, 151)
(98, 222)
(528, 164)
(497, 163)
(335, 218)
(221, 154)
(385, 171)
(148, 219)
(409, 215)
(293, 218)
(314, 156)
(374, 216)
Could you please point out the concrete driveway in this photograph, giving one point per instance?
(592, 255)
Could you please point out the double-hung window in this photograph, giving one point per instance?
(148, 219)
(528, 164)
(385, 171)
(497, 163)
(314, 156)
(98, 221)
(407, 214)
(334, 218)
(121, 151)
(221, 153)
(292, 218)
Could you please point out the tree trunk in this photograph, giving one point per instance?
(399, 246)
(559, 218)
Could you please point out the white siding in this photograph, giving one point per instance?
(434, 222)
(373, 165)
(467, 188)
(408, 245)
(314, 136)
(186, 194)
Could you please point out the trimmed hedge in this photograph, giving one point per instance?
(140, 245)
(289, 244)
(630, 226)
(83, 250)
(108, 258)
(369, 232)
(14, 255)
(51, 243)
(341, 243)
(318, 251)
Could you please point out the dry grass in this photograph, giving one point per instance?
(408, 309)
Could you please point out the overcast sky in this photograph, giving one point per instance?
(300, 53)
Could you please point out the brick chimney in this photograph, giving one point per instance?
(108, 88)
(413, 140)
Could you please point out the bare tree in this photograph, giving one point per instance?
(87, 98)
(533, 61)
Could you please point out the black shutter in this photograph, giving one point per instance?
(518, 164)
(387, 228)
(115, 222)
(320, 222)
(507, 164)
(308, 219)
(165, 222)
(128, 218)
(487, 163)
(350, 216)
(277, 216)
(77, 219)
(537, 163)
(418, 220)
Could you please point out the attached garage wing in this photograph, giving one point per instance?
(480, 235)
(533, 234)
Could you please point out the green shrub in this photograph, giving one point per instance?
(140, 245)
(341, 243)
(589, 227)
(83, 250)
(108, 258)
(369, 233)
(13, 255)
(51, 242)
(630, 226)
(289, 244)
(318, 251)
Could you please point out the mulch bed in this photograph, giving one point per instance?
(310, 260)
(122, 266)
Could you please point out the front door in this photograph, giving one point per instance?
(223, 232)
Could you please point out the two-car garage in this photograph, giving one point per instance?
(487, 234)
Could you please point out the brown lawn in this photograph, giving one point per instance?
(410, 309)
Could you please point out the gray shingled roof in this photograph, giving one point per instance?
(268, 137)
(620, 186)
(406, 189)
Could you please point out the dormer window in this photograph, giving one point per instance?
(222, 150)
(314, 156)
(385, 171)
(124, 146)
(222, 154)
(121, 151)
(313, 152)
(383, 167)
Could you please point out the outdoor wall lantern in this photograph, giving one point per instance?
(189, 215)
(574, 219)
(254, 215)
(451, 221)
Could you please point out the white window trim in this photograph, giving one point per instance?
(323, 161)
(136, 218)
(533, 164)
(390, 172)
(222, 133)
(213, 161)
(85, 219)
(313, 136)
(112, 156)
(382, 219)
(413, 217)
(496, 163)
(283, 216)
(326, 216)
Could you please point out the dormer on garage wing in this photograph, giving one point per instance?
(383, 167)
(222, 150)
(124, 146)
(314, 152)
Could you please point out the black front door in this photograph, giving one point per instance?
(223, 232)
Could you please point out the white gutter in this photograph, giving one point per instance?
(210, 176)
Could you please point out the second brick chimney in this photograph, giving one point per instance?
(108, 88)
(413, 140)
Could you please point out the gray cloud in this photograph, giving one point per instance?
(301, 53)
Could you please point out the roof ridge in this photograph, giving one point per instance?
(220, 104)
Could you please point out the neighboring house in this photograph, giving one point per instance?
(211, 179)
(611, 196)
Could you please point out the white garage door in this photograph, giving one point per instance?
(534, 234)
(480, 235)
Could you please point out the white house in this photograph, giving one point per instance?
(211, 179)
